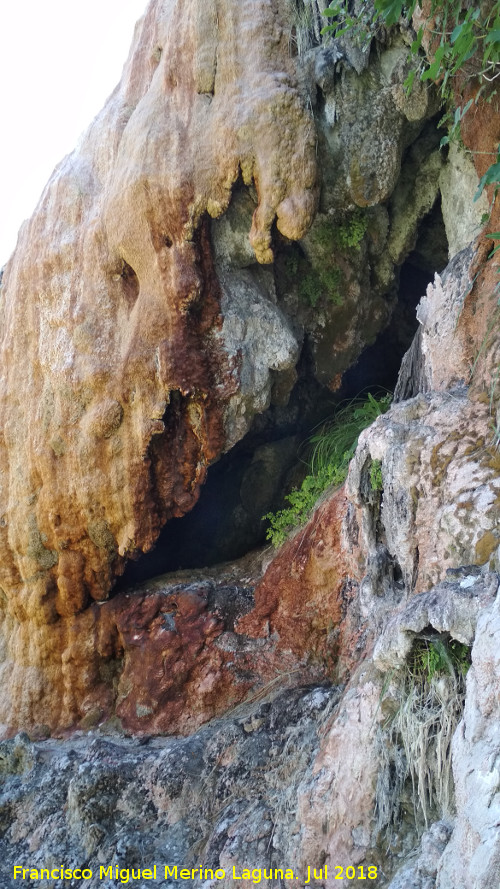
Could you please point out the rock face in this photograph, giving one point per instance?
(116, 318)
(288, 781)
(222, 798)
(237, 217)
(473, 854)
(118, 366)
(142, 329)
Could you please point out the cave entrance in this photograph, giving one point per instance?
(253, 477)
(379, 364)
(245, 484)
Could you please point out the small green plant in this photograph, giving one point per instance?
(321, 277)
(302, 502)
(336, 440)
(376, 481)
(333, 447)
(437, 657)
(461, 34)
(350, 233)
(466, 39)
(326, 282)
(314, 282)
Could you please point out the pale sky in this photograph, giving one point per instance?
(59, 61)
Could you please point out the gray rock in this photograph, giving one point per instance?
(429, 363)
(420, 871)
(227, 793)
(258, 339)
(472, 858)
(450, 607)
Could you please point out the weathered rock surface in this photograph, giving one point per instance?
(117, 369)
(439, 506)
(141, 333)
(173, 282)
(451, 607)
(314, 561)
(472, 857)
(223, 797)
(420, 872)
(289, 780)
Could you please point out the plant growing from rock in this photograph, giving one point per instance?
(425, 698)
(333, 447)
(376, 481)
(349, 234)
(465, 39)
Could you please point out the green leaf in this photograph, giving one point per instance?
(418, 41)
(466, 108)
(455, 34)
(493, 37)
(408, 84)
(491, 177)
(389, 10)
(433, 70)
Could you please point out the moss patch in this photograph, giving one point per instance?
(36, 549)
(100, 534)
(440, 462)
(485, 547)
(320, 275)
(349, 234)
(317, 283)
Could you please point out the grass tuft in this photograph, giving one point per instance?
(428, 696)
(332, 448)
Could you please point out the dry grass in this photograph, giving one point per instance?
(415, 742)
(303, 30)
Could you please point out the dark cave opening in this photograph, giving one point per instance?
(378, 365)
(241, 487)
(252, 478)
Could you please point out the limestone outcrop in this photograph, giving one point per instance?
(250, 214)
(143, 325)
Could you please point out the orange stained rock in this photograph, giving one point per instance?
(303, 596)
(113, 386)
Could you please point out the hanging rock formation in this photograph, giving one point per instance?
(117, 371)
(139, 338)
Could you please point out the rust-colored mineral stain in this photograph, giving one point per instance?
(300, 597)
(113, 388)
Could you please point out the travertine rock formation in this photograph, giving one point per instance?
(140, 335)
(116, 378)
(116, 373)
(238, 211)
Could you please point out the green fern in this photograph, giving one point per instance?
(333, 447)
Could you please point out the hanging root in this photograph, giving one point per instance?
(427, 700)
